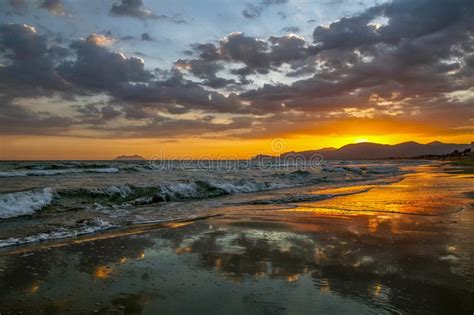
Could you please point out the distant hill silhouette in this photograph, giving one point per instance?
(369, 150)
(129, 158)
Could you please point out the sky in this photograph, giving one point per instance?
(224, 78)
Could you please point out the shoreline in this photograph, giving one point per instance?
(142, 227)
(225, 203)
(335, 255)
(137, 228)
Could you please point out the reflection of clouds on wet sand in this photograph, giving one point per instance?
(150, 271)
(290, 259)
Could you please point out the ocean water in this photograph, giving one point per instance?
(365, 237)
(44, 200)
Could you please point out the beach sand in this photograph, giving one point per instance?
(403, 247)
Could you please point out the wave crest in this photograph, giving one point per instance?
(24, 202)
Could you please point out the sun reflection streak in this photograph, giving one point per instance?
(324, 286)
(34, 288)
(183, 250)
(103, 272)
(175, 225)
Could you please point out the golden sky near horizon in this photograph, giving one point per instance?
(95, 79)
(60, 148)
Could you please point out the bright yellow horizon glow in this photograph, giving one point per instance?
(361, 140)
(72, 148)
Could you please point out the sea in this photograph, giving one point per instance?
(47, 200)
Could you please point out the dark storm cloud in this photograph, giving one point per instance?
(286, 49)
(21, 42)
(205, 70)
(248, 50)
(177, 95)
(31, 70)
(98, 69)
(407, 20)
(236, 47)
(257, 55)
(206, 51)
(407, 59)
(255, 10)
(93, 68)
(419, 53)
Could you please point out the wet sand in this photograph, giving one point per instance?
(405, 247)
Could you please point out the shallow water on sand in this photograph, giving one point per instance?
(41, 201)
(403, 247)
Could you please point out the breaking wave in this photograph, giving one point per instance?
(24, 202)
(172, 192)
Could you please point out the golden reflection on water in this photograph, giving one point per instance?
(319, 256)
(420, 193)
(376, 289)
(379, 292)
(218, 263)
(324, 286)
(183, 250)
(175, 225)
(34, 288)
(103, 272)
(389, 209)
(293, 278)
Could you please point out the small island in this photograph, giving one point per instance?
(134, 157)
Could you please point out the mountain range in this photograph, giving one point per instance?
(369, 150)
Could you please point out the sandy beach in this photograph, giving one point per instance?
(403, 247)
(236, 157)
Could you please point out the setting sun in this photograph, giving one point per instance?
(236, 157)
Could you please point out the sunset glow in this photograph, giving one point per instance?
(236, 156)
(138, 77)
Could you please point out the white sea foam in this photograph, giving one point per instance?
(123, 190)
(24, 202)
(247, 186)
(118, 190)
(180, 191)
(212, 189)
(95, 226)
(449, 258)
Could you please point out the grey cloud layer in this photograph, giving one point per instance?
(400, 59)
